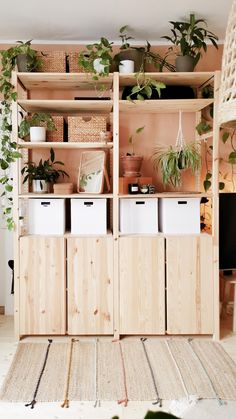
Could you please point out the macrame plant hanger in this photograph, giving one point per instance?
(179, 144)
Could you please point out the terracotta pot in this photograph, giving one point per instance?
(131, 165)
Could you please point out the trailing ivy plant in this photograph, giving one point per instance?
(8, 147)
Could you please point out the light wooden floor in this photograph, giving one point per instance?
(207, 409)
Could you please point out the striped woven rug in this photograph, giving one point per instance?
(130, 369)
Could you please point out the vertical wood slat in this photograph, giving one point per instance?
(42, 285)
(90, 285)
(142, 285)
(189, 284)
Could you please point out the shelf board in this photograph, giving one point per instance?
(168, 195)
(193, 79)
(74, 195)
(67, 106)
(68, 234)
(65, 145)
(63, 81)
(164, 105)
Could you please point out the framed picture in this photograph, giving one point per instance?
(91, 172)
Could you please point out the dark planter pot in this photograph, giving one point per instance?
(184, 63)
(22, 63)
(130, 54)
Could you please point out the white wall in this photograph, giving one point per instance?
(6, 253)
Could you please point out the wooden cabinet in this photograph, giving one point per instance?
(142, 285)
(90, 285)
(42, 286)
(189, 284)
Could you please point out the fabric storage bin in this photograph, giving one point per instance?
(179, 215)
(138, 216)
(46, 216)
(86, 129)
(52, 61)
(89, 216)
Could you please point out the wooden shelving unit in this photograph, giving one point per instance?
(116, 284)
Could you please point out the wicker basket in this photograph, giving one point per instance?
(58, 134)
(53, 61)
(227, 94)
(74, 67)
(86, 129)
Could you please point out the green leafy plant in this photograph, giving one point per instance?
(35, 120)
(155, 415)
(144, 87)
(44, 170)
(99, 50)
(132, 140)
(8, 147)
(172, 161)
(191, 37)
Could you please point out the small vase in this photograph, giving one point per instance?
(37, 134)
(184, 63)
(39, 186)
(126, 66)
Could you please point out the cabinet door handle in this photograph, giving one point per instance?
(45, 204)
(140, 202)
(182, 202)
(88, 204)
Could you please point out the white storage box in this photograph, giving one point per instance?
(179, 215)
(138, 215)
(89, 216)
(46, 216)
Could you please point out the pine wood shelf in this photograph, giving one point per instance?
(164, 105)
(54, 195)
(67, 106)
(64, 145)
(194, 79)
(168, 195)
(63, 81)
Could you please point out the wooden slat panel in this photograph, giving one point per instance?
(189, 264)
(142, 289)
(90, 285)
(42, 285)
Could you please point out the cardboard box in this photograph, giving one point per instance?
(124, 182)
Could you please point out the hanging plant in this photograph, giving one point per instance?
(8, 148)
(173, 159)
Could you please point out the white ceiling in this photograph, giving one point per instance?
(78, 21)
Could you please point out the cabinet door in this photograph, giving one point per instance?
(189, 267)
(42, 285)
(90, 285)
(142, 285)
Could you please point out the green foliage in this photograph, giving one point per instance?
(144, 87)
(8, 147)
(125, 37)
(171, 161)
(101, 50)
(155, 415)
(44, 170)
(191, 37)
(132, 139)
(34, 121)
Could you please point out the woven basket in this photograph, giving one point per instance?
(74, 67)
(86, 129)
(227, 94)
(53, 61)
(58, 134)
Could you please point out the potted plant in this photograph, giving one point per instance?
(131, 163)
(145, 88)
(173, 160)
(23, 55)
(43, 174)
(190, 38)
(32, 125)
(97, 58)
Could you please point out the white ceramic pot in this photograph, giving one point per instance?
(98, 67)
(126, 66)
(37, 134)
(39, 186)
